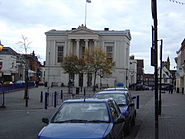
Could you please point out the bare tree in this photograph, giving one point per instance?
(98, 62)
(24, 43)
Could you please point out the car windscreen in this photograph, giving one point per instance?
(120, 98)
(81, 112)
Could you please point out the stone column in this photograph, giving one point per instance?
(77, 47)
(86, 44)
(95, 44)
(69, 48)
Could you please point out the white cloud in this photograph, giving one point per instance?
(33, 18)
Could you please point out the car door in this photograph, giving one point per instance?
(117, 130)
(131, 106)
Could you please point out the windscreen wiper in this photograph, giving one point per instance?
(98, 121)
(122, 104)
(72, 121)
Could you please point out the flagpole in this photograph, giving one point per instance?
(85, 12)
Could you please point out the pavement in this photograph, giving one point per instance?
(14, 99)
(171, 122)
(18, 121)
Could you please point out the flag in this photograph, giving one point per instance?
(89, 1)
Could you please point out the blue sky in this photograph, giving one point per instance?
(33, 18)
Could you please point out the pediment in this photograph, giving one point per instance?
(82, 30)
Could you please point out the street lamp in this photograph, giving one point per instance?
(1, 46)
(160, 101)
(154, 62)
(26, 96)
(2, 106)
(126, 76)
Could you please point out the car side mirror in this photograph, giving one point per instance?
(45, 120)
(134, 97)
(120, 119)
(131, 104)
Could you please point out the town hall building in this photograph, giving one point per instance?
(62, 43)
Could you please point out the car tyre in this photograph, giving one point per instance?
(133, 122)
(127, 128)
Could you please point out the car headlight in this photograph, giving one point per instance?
(126, 113)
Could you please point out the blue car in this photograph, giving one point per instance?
(125, 103)
(85, 119)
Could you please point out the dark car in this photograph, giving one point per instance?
(138, 87)
(20, 82)
(41, 83)
(85, 119)
(165, 87)
(125, 103)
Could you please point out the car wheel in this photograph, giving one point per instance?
(127, 128)
(123, 134)
(133, 122)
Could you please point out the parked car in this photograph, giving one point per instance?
(41, 83)
(85, 119)
(125, 103)
(165, 87)
(20, 82)
(8, 82)
(138, 87)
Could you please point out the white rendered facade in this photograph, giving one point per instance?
(73, 42)
(8, 64)
(133, 71)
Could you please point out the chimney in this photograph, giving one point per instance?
(33, 53)
(106, 29)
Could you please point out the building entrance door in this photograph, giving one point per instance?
(81, 80)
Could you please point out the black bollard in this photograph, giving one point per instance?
(41, 97)
(137, 102)
(183, 90)
(46, 100)
(3, 103)
(55, 99)
(84, 94)
(77, 90)
(177, 90)
(61, 95)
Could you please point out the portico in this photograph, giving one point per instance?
(78, 46)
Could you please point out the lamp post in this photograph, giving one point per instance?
(160, 102)
(3, 105)
(154, 61)
(1, 46)
(125, 80)
(26, 95)
(126, 76)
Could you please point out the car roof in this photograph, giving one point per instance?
(95, 100)
(112, 92)
(116, 88)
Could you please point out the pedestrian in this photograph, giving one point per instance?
(171, 89)
(183, 90)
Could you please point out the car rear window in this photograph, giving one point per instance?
(120, 98)
(82, 111)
